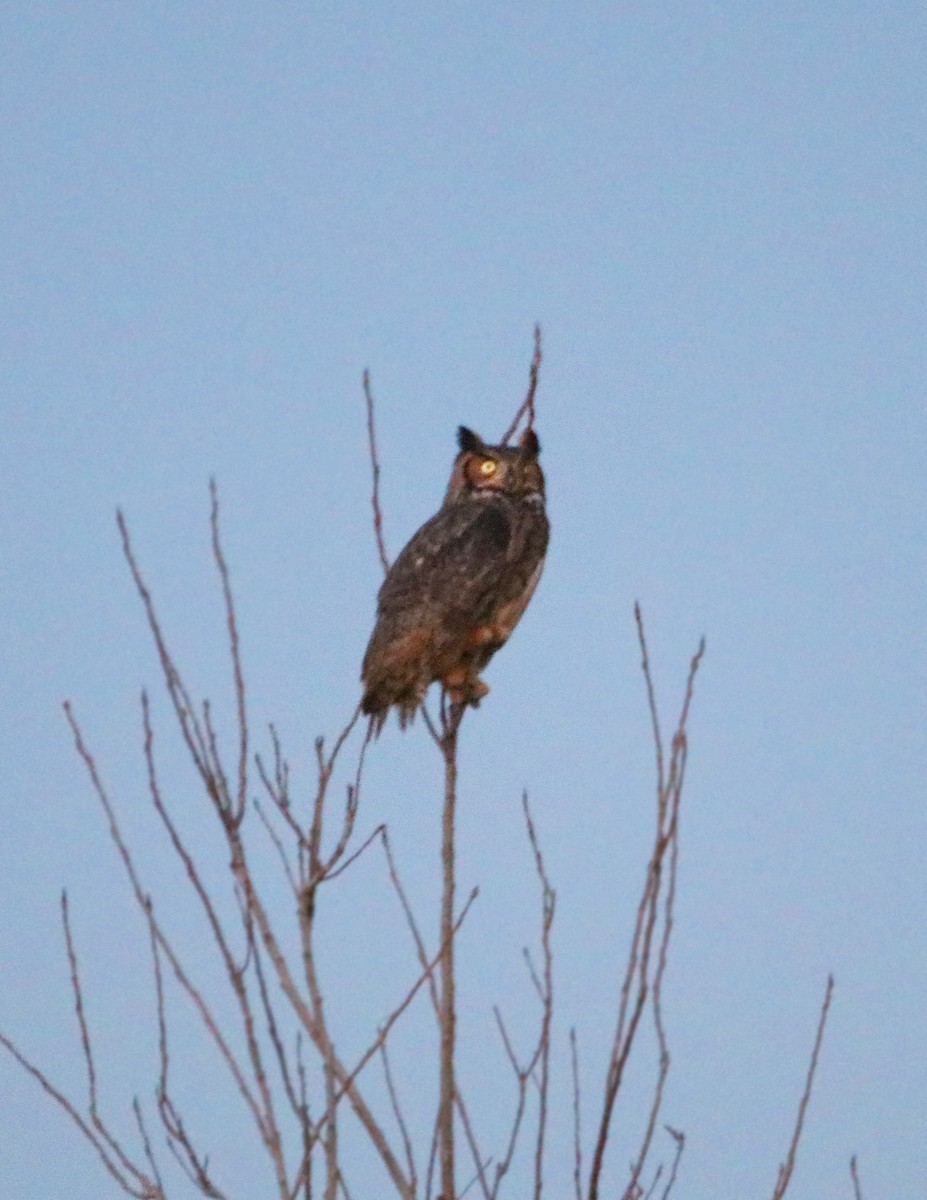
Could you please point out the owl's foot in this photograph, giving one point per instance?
(463, 687)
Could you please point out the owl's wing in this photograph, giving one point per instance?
(453, 566)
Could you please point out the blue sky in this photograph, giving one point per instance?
(215, 216)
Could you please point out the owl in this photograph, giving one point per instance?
(459, 588)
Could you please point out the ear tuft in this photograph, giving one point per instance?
(530, 443)
(469, 441)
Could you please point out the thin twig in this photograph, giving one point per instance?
(545, 989)
(146, 1188)
(522, 1075)
(263, 1112)
(527, 405)
(651, 1191)
(448, 1018)
(647, 922)
(278, 788)
(92, 1106)
(540, 1058)
(309, 1136)
(577, 1124)
(680, 1139)
(785, 1171)
(671, 816)
(400, 1119)
(651, 698)
(316, 1030)
(478, 1160)
(273, 1030)
(355, 855)
(184, 708)
(409, 997)
(164, 944)
(278, 845)
(146, 1144)
(375, 469)
(854, 1175)
(234, 653)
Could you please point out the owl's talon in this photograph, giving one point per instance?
(465, 689)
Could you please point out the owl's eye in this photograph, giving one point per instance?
(487, 467)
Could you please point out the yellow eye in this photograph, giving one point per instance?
(487, 467)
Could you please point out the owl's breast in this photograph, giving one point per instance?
(509, 612)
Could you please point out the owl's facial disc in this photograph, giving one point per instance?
(482, 472)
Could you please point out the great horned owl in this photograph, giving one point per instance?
(458, 589)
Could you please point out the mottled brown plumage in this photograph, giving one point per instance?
(459, 588)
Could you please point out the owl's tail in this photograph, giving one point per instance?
(377, 706)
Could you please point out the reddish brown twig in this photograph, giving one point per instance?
(537, 1066)
(400, 1118)
(527, 405)
(577, 1123)
(92, 1104)
(146, 1145)
(544, 985)
(650, 934)
(264, 1107)
(785, 1171)
(144, 1188)
(420, 950)
(375, 469)
(448, 1012)
(234, 654)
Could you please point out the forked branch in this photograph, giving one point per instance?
(652, 929)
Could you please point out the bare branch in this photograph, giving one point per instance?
(183, 705)
(540, 1058)
(680, 1139)
(400, 1119)
(164, 944)
(146, 1143)
(527, 405)
(448, 1014)
(409, 997)
(278, 789)
(462, 1112)
(676, 778)
(785, 1171)
(669, 795)
(234, 651)
(144, 1188)
(651, 699)
(264, 1114)
(545, 989)
(92, 1107)
(375, 468)
(577, 1124)
(313, 1026)
(854, 1175)
(278, 846)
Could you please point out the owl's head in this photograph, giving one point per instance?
(512, 470)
